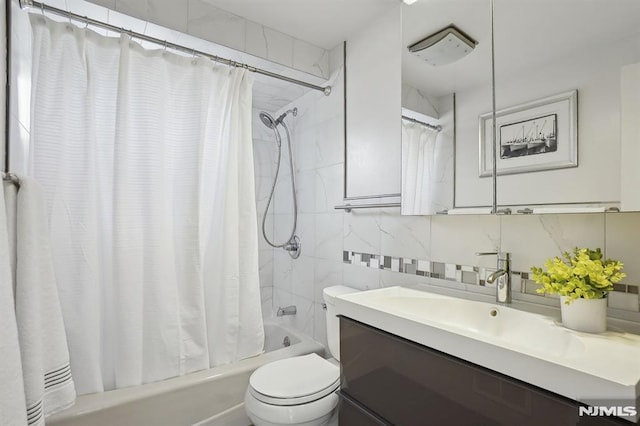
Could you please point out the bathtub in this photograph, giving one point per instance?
(212, 397)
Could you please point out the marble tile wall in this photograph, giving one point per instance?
(318, 137)
(201, 19)
(455, 240)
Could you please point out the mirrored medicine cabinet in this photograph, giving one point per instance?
(567, 98)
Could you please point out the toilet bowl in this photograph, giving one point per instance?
(299, 390)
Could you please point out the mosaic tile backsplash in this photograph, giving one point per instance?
(623, 297)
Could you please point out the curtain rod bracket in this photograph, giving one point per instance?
(11, 177)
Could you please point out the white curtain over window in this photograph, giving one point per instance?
(146, 159)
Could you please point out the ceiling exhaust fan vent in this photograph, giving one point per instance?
(444, 47)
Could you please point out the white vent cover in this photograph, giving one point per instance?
(444, 47)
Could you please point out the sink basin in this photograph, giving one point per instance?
(530, 347)
(503, 326)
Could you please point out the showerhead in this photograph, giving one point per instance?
(268, 120)
(271, 123)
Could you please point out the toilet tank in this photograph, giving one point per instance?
(333, 323)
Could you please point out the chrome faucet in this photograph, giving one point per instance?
(502, 277)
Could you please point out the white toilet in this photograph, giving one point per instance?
(299, 390)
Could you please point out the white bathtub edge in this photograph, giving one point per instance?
(234, 416)
(99, 402)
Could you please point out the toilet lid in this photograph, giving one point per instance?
(295, 377)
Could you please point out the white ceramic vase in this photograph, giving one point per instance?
(588, 315)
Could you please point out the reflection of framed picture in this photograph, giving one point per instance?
(538, 135)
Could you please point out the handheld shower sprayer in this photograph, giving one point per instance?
(292, 244)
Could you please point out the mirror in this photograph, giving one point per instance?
(440, 168)
(372, 90)
(566, 110)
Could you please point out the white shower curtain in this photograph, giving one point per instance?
(146, 159)
(419, 172)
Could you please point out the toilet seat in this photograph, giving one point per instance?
(294, 381)
(294, 401)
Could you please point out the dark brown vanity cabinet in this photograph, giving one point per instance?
(387, 380)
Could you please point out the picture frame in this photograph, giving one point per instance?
(531, 137)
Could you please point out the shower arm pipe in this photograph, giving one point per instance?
(24, 4)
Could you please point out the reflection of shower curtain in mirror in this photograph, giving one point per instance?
(147, 163)
(418, 168)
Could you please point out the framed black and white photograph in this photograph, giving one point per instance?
(536, 136)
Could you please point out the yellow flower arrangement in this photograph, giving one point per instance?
(581, 275)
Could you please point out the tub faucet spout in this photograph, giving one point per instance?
(287, 310)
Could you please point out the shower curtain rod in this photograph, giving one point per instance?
(431, 126)
(89, 21)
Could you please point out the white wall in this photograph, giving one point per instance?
(596, 74)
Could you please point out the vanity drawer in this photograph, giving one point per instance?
(409, 384)
(352, 413)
